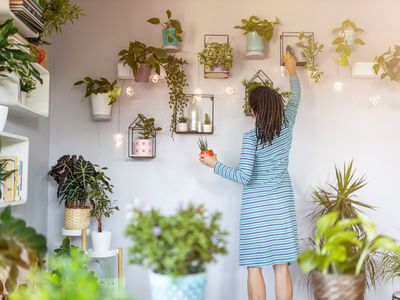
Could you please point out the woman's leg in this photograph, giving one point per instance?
(255, 284)
(283, 282)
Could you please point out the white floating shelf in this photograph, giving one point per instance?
(73, 232)
(105, 254)
(15, 145)
(363, 70)
(124, 72)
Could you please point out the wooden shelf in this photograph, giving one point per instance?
(193, 132)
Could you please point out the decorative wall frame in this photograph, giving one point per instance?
(141, 148)
(218, 72)
(291, 39)
(259, 79)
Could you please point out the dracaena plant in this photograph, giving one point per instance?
(168, 25)
(147, 127)
(309, 50)
(264, 28)
(138, 54)
(341, 44)
(101, 86)
(389, 64)
(215, 54)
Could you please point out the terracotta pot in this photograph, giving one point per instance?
(76, 218)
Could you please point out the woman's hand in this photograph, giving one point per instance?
(290, 63)
(209, 161)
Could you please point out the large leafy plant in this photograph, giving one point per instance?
(178, 244)
(264, 28)
(389, 64)
(171, 23)
(138, 54)
(309, 50)
(101, 86)
(215, 54)
(18, 58)
(147, 127)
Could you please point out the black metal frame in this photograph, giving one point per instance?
(131, 131)
(211, 72)
(209, 96)
(292, 35)
(262, 78)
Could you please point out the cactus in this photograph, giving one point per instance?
(207, 120)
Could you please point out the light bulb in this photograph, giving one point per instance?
(338, 85)
(230, 90)
(375, 100)
(129, 91)
(155, 78)
(283, 73)
(197, 91)
(118, 138)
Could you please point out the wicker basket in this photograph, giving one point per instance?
(338, 287)
(76, 218)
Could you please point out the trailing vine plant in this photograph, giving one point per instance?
(389, 63)
(310, 49)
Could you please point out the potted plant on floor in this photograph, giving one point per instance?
(338, 258)
(176, 249)
(171, 31)
(103, 94)
(257, 31)
(216, 58)
(144, 144)
(389, 64)
(142, 59)
(207, 126)
(182, 124)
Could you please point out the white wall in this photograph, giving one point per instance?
(332, 127)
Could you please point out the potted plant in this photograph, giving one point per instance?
(182, 124)
(345, 40)
(203, 146)
(176, 256)
(216, 57)
(207, 126)
(144, 144)
(338, 258)
(389, 64)
(142, 59)
(171, 31)
(309, 50)
(391, 267)
(5, 173)
(103, 94)
(257, 31)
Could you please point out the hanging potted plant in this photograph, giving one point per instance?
(142, 59)
(144, 144)
(103, 94)
(171, 31)
(207, 126)
(182, 124)
(216, 58)
(257, 31)
(309, 50)
(177, 263)
(389, 64)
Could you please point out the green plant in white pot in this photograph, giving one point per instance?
(176, 249)
(182, 125)
(216, 57)
(103, 95)
(148, 130)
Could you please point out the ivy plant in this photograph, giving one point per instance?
(171, 23)
(264, 28)
(101, 86)
(309, 50)
(147, 127)
(342, 47)
(215, 54)
(389, 64)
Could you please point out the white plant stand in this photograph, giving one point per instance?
(77, 233)
(6, 13)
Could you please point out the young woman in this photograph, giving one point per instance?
(268, 230)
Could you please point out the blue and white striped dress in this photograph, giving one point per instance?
(268, 229)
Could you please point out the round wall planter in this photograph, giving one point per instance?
(338, 287)
(101, 241)
(182, 127)
(207, 128)
(180, 288)
(255, 45)
(144, 74)
(3, 116)
(76, 218)
(167, 45)
(144, 148)
(100, 108)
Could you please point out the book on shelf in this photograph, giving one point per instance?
(29, 12)
(12, 187)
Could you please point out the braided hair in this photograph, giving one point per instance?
(268, 108)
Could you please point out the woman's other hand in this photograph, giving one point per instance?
(290, 63)
(209, 161)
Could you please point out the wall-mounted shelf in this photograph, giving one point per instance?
(363, 70)
(15, 145)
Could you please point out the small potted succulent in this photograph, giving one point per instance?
(203, 146)
(103, 94)
(207, 126)
(142, 59)
(389, 64)
(144, 144)
(216, 57)
(176, 256)
(257, 31)
(171, 31)
(182, 125)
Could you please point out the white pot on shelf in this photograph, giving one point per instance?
(3, 116)
(101, 241)
(143, 147)
(100, 107)
(182, 127)
(207, 128)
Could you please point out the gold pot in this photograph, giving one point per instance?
(76, 218)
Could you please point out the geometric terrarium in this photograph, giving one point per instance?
(290, 39)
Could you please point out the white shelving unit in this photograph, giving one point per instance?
(6, 13)
(15, 145)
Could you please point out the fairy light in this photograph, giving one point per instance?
(338, 86)
(130, 91)
(283, 73)
(197, 91)
(118, 139)
(375, 100)
(155, 78)
(229, 90)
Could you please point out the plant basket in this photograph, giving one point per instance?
(338, 287)
(144, 74)
(76, 218)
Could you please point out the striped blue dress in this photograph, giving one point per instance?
(268, 229)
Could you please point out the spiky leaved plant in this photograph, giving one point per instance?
(203, 145)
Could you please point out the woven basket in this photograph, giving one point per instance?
(338, 287)
(76, 218)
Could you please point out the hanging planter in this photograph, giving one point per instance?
(144, 73)
(171, 32)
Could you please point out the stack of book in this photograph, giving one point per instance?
(12, 186)
(29, 12)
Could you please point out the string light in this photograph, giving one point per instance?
(229, 90)
(155, 78)
(375, 100)
(283, 73)
(118, 139)
(197, 91)
(130, 91)
(338, 85)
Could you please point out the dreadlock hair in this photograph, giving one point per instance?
(269, 110)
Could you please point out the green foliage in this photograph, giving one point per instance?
(215, 54)
(183, 119)
(177, 81)
(147, 127)
(101, 86)
(18, 58)
(342, 48)
(138, 54)
(389, 63)
(4, 173)
(310, 49)
(338, 249)
(249, 86)
(391, 264)
(178, 244)
(264, 28)
(203, 144)
(171, 23)
(65, 248)
(20, 247)
(207, 119)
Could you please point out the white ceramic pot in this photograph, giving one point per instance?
(182, 127)
(144, 148)
(207, 128)
(3, 116)
(101, 109)
(101, 241)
